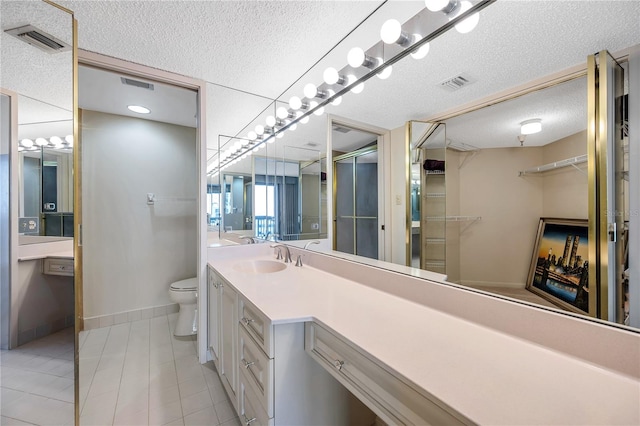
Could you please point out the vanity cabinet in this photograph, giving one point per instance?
(267, 374)
(213, 289)
(228, 364)
(395, 398)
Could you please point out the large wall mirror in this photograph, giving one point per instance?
(38, 298)
(483, 184)
(37, 64)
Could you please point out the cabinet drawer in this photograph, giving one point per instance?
(258, 326)
(391, 396)
(251, 412)
(57, 266)
(257, 369)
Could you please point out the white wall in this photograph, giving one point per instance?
(132, 250)
(397, 224)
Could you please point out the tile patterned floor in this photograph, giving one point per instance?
(139, 373)
(36, 382)
(131, 374)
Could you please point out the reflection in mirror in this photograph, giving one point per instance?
(301, 184)
(37, 66)
(495, 183)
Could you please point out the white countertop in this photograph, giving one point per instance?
(488, 376)
(42, 250)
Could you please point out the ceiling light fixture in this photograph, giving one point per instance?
(69, 139)
(391, 32)
(139, 109)
(332, 76)
(422, 51)
(55, 140)
(385, 73)
(468, 24)
(296, 103)
(27, 143)
(529, 127)
(357, 58)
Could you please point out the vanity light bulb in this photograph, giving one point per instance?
(252, 135)
(337, 101)
(358, 88)
(293, 127)
(244, 142)
(27, 143)
(263, 145)
(391, 31)
(436, 5)
(280, 135)
(319, 111)
(237, 146)
(255, 149)
(260, 129)
(331, 76)
(468, 24)
(43, 142)
(69, 139)
(310, 91)
(244, 155)
(295, 103)
(422, 51)
(282, 113)
(385, 73)
(55, 140)
(356, 57)
(304, 120)
(271, 121)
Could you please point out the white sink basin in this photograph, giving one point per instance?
(259, 266)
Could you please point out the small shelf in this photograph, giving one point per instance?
(435, 240)
(573, 161)
(435, 195)
(434, 172)
(435, 263)
(453, 218)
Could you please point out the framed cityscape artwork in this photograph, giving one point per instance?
(559, 270)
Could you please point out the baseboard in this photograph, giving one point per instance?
(480, 284)
(129, 316)
(42, 330)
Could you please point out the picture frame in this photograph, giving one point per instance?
(559, 269)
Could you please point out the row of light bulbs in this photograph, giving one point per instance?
(390, 33)
(55, 142)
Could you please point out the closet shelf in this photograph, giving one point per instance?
(573, 161)
(436, 263)
(452, 218)
(435, 240)
(434, 172)
(435, 195)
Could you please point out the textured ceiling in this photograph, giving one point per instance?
(265, 47)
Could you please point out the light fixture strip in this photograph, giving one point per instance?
(414, 47)
(400, 55)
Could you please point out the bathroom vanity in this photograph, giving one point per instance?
(289, 342)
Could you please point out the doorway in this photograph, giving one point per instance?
(356, 202)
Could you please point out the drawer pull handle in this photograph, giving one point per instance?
(338, 364)
(246, 320)
(248, 421)
(247, 364)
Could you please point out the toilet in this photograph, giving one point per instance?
(185, 294)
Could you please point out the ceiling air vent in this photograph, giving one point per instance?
(457, 82)
(312, 144)
(341, 129)
(38, 38)
(136, 83)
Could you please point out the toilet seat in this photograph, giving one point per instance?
(190, 284)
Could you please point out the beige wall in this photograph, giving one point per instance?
(496, 250)
(565, 190)
(132, 250)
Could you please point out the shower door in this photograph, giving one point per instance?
(356, 203)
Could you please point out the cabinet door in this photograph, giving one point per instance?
(229, 339)
(214, 315)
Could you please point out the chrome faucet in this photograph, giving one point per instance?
(306, 246)
(250, 239)
(287, 256)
